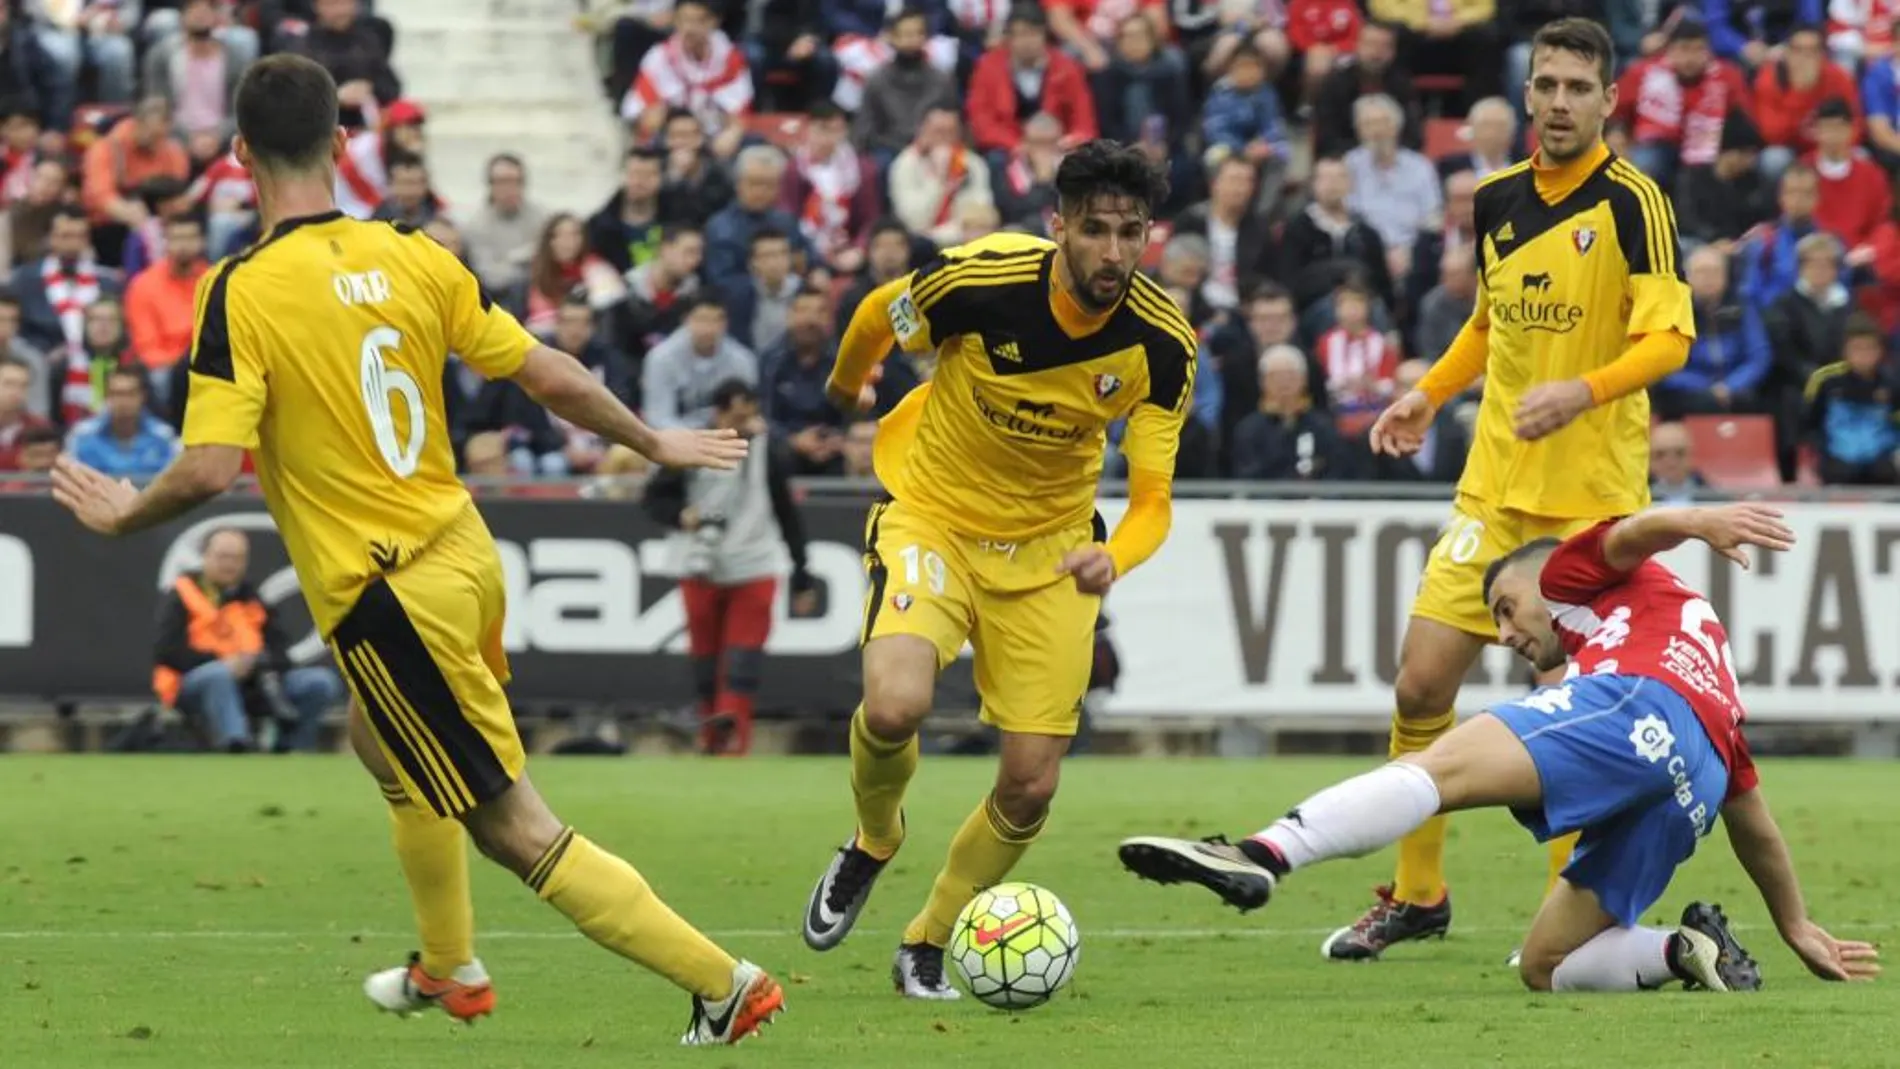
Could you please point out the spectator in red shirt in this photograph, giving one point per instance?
(1088, 27)
(1360, 363)
(1322, 33)
(1672, 105)
(1001, 98)
(832, 190)
(1855, 193)
(160, 300)
(1788, 93)
(700, 69)
(16, 381)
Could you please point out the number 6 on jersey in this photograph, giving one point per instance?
(379, 381)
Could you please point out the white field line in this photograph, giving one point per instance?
(57, 934)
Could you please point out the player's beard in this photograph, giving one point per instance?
(1085, 286)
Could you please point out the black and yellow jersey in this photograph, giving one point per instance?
(321, 350)
(1006, 441)
(1573, 263)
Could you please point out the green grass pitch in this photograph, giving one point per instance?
(204, 912)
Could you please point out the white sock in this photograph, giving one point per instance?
(1618, 959)
(1355, 817)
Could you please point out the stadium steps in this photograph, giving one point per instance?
(508, 76)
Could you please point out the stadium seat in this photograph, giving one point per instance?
(1735, 452)
(1445, 137)
(1807, 466)
(1158, 236)
(780, 128)
(1353, 425)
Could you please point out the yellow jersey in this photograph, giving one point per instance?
(1569, 272)
(1006, 440)
(321, 350)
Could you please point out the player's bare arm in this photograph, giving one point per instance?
(560, 384)
(1763, 852)
(1726, 528)
(115, 507)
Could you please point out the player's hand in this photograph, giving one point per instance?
(866, 398)
(1727, 528)
(1093, 568)
(1830, 958)
(681, 448)
(1400, 429)
(1549, 408)
(99, 502)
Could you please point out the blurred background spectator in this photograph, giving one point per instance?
(782, 158)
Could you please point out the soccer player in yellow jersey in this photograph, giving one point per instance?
(1581, 305)
(990, 533)
(320, 350)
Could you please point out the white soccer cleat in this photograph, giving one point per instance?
(918, 973)
(755, 1000)
(407, 991)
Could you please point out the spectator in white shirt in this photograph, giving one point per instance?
(501, 235)
(1395, 189)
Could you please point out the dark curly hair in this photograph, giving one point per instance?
(1103, 168)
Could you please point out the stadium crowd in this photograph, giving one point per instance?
(790, 155)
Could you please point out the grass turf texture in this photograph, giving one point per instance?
(206, 912)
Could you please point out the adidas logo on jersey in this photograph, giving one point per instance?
(1504, 234)
(1007, 351)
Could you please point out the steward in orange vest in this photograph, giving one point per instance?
(197, 625)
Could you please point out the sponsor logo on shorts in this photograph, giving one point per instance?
(1696, 810)
(1652, 738)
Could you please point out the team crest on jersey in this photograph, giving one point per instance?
(1105, 386)
(901, 602)
(1583, 237)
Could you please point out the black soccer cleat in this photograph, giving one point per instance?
(1214, 863)
(1706, 956)
(1389, 921)
(840, 895)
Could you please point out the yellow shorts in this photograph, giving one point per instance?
(1033, 631)
(1452, 589)
(422, 651)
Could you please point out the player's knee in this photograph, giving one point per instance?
(1421, 695)
(895, 705)
(1537, 968)
(1024, 796)
(513, 830)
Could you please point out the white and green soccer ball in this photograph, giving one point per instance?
(1015, 946)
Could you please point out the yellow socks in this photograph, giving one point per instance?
(880, 771)
(1560, 850)
(434, 855)
(983, 852)
(1420, 879)
(612, 905)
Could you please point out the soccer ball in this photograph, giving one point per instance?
(1015, 946)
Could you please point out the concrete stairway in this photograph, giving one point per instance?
(508, 76)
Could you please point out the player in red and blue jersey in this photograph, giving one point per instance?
(1639, 749)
